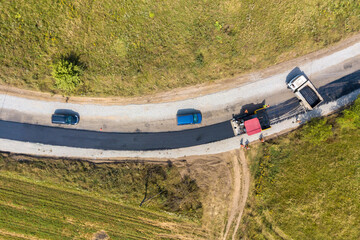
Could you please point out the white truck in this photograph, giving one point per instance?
(305, 91)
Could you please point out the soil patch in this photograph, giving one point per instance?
(101, 235)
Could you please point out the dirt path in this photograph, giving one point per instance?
(245, 184)
(240, 194)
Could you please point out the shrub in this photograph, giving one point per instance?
(350, 118)
(317, 131)
(184, 196)
(67, 75)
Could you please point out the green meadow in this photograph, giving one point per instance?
(132, 48)
(306, 185)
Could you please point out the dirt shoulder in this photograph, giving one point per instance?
(188, 92)
(213, 175)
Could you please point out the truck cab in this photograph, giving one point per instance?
(305, 91)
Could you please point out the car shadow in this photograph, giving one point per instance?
(67, 112)
(186, 111)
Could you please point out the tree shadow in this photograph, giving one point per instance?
(74, 58)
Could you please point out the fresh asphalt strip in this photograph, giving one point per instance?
(158, 140)
(114, 141)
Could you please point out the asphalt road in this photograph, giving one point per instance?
(162, 140)
(114, 141)
(329, 92)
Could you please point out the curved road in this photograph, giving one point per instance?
(162, 140)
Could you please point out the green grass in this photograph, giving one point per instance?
(130, 48)
(62, 199)
(306, 189)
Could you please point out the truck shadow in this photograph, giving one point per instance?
(340, 87)
(249, 109)
(317, 112)
(293, 73)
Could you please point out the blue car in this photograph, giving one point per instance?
(68, 119)
(191, 118)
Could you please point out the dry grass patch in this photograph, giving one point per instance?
(188, 198)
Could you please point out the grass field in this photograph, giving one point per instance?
(307, 184)
(62, 199)
(129, 48)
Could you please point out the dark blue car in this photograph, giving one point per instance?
(191, 118)
(68, 119)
